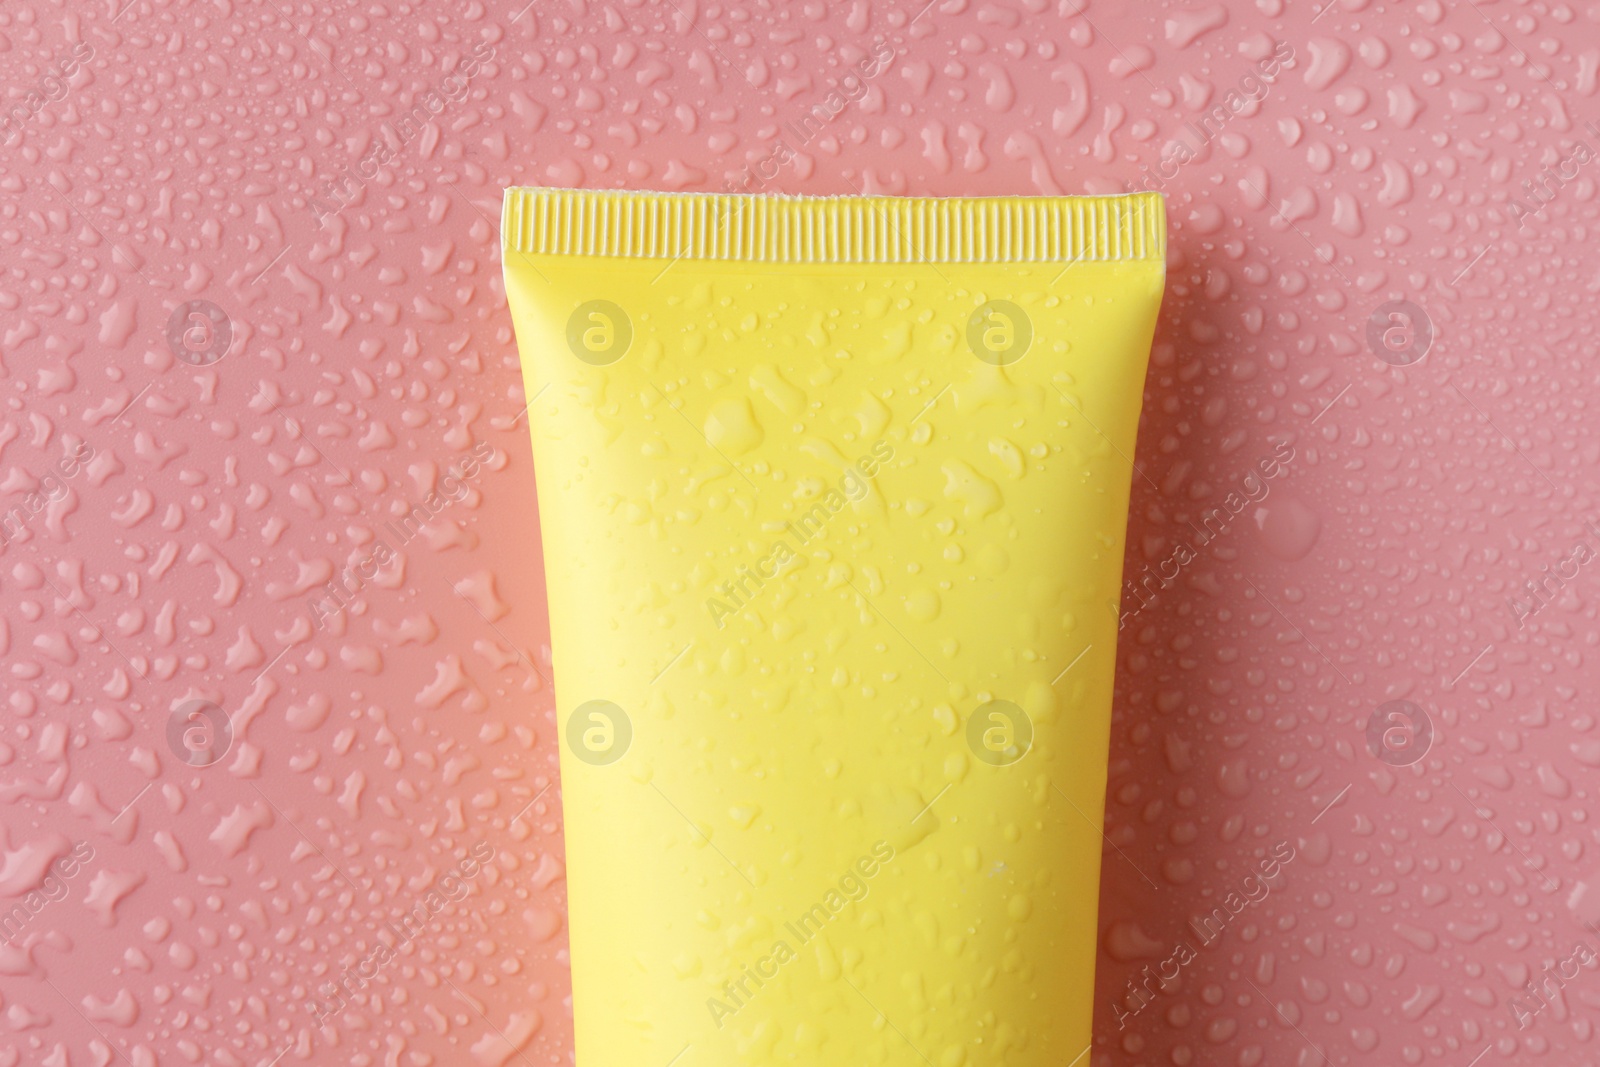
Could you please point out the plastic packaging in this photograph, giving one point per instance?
(833, 497)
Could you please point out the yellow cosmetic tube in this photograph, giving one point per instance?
(833, 496)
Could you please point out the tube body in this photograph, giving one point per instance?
(833, 497)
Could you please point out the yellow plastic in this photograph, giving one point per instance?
(833, 496)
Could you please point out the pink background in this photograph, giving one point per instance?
(371, 350)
